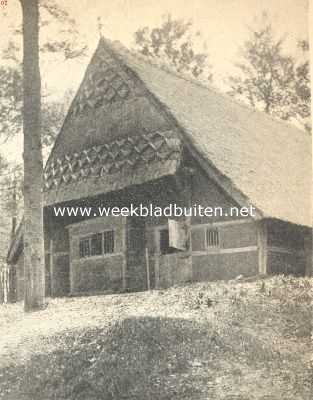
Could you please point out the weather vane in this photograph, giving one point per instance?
(100, 27)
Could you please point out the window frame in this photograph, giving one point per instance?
(81, 240)
(215, 238)
(89, 237)
(204, 246)
(113, 241)
(172, 250)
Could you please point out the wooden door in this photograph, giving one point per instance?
(136, 254)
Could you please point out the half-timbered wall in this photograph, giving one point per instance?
(99, 272)
(287, 249)
(223, 247)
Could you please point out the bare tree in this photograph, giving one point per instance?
(33, 167)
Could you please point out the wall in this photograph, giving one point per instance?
(286, 248)
(97, 273)
(168, 269)
(207, 193)
(237, 253)
(57, 246)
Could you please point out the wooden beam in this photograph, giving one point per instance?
(124, 252)
(232, 250)
(147, 267)
(51, 266)
(156, 236)
(262, 247)
(308, 251)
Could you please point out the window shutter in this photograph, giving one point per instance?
(177, 234)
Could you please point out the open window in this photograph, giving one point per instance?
(165, 243)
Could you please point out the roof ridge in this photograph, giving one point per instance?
(166, 68)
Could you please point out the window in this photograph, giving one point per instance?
(212, 238)
(84, 248)
(108, 242)
(164, 242)
(97, 244)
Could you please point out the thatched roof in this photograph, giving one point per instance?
(265, 160)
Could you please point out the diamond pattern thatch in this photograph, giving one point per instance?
(104, 84)
(126, 153)
(265, 161)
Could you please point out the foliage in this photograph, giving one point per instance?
(173, 43)
(53, 112)
(11, 195)
(269, 79)
(302, 86)
(59, 38)
(3, 164)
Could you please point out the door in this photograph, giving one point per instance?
(136, 274)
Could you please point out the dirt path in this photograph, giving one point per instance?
(219, 341)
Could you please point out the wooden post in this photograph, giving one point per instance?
(51, 267)
(156, 237)
(148, 268)
(308, 250)
(262, 247)
(125, 253)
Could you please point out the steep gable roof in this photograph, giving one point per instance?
(113, 135)
(265, 160)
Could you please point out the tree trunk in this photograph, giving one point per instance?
(33, 168)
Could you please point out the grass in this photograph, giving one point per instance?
(235, 340)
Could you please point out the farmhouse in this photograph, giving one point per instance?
(137, 133)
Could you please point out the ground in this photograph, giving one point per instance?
(228, 340)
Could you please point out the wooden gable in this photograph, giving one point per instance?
(113, 136)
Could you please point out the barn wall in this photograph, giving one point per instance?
(236, 255)
(224, 266)
(169, 269)
(58, 244)
(97, 273)
(206, 193)
(286, 248)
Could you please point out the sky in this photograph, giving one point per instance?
(222, 23)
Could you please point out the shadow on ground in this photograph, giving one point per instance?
(138, 358)
(233, 345)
